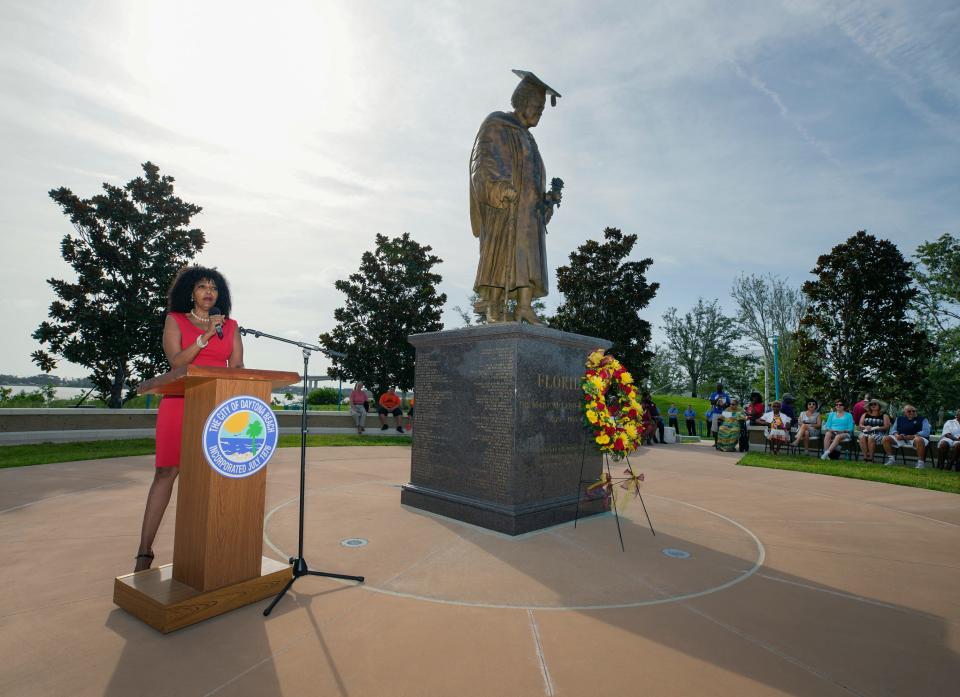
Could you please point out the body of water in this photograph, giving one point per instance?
(239, 446)
(62, 392)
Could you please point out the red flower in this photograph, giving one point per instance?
(632, 413)
(591, 373)
(618, 444)
(609, 430)
(589, 397)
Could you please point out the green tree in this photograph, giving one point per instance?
(392, 296)
(127, 245)
(938, 276)
(738, 372)
(858, 332)
(939, 279)
(665, 375)
(700, 341)
(767, 307)
(603, 296)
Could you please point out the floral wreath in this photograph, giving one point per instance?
(611, 410)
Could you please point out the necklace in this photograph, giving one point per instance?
(198, 318)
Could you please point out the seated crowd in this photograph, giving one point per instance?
(867, 425)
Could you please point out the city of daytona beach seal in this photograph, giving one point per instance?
(240, 436)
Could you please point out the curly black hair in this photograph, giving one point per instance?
(180, 295)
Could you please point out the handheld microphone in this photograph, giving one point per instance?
(219, 327)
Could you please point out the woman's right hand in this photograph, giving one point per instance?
(214, 321)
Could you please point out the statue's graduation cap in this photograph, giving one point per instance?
(530, 78)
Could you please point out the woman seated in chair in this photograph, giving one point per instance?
(837, 430)
(809, 421)
(755, 408)
(731, 421)
(778, 431)
(648, 425)
(873, 427)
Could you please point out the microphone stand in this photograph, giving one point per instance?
(300, 567)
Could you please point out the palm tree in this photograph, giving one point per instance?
(254, 430)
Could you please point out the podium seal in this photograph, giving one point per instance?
(240, 436)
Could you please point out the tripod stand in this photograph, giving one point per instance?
(300, 567)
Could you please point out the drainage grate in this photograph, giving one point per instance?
(353, 542)
(676, 553)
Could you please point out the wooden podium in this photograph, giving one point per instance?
(218, 563)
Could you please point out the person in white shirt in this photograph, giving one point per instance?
(778, 432)
(949, 444)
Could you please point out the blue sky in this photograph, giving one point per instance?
(730, 137)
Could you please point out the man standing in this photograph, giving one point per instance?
(720, 394)
(672, 414)
(691, 418)
(509, 209)
(949, 443)
(911, 428)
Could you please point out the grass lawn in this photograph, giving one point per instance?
(663, 402)
(929, 478)
(43, 453)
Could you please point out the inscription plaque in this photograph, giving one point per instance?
(498, 440)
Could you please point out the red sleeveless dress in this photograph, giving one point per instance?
(170, 414)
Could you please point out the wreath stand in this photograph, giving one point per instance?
(607, 487)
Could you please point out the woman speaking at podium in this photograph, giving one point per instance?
(198, 304)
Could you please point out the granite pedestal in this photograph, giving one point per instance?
(497, 439)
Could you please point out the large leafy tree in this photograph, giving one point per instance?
(767, 307)
(603, 296)
(392, 296)
(739, 373)
(858, 333)
(127, 245)
(701, 341)
(665, 376)
(938, 276)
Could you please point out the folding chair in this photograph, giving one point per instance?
(815, 441)
(902, 447)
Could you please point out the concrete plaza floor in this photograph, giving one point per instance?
(774, 583)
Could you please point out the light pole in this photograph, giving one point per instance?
(776, 367)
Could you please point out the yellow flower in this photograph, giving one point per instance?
(594, 358)
(603, 439)
(630, 429)
(591, 416)
(626, 378)
(597, 382)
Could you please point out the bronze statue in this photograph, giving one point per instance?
(509, 208)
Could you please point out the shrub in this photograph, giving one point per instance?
(324, 395)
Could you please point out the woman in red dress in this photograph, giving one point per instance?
(189, 336)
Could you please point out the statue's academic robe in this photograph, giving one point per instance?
(512, 238)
